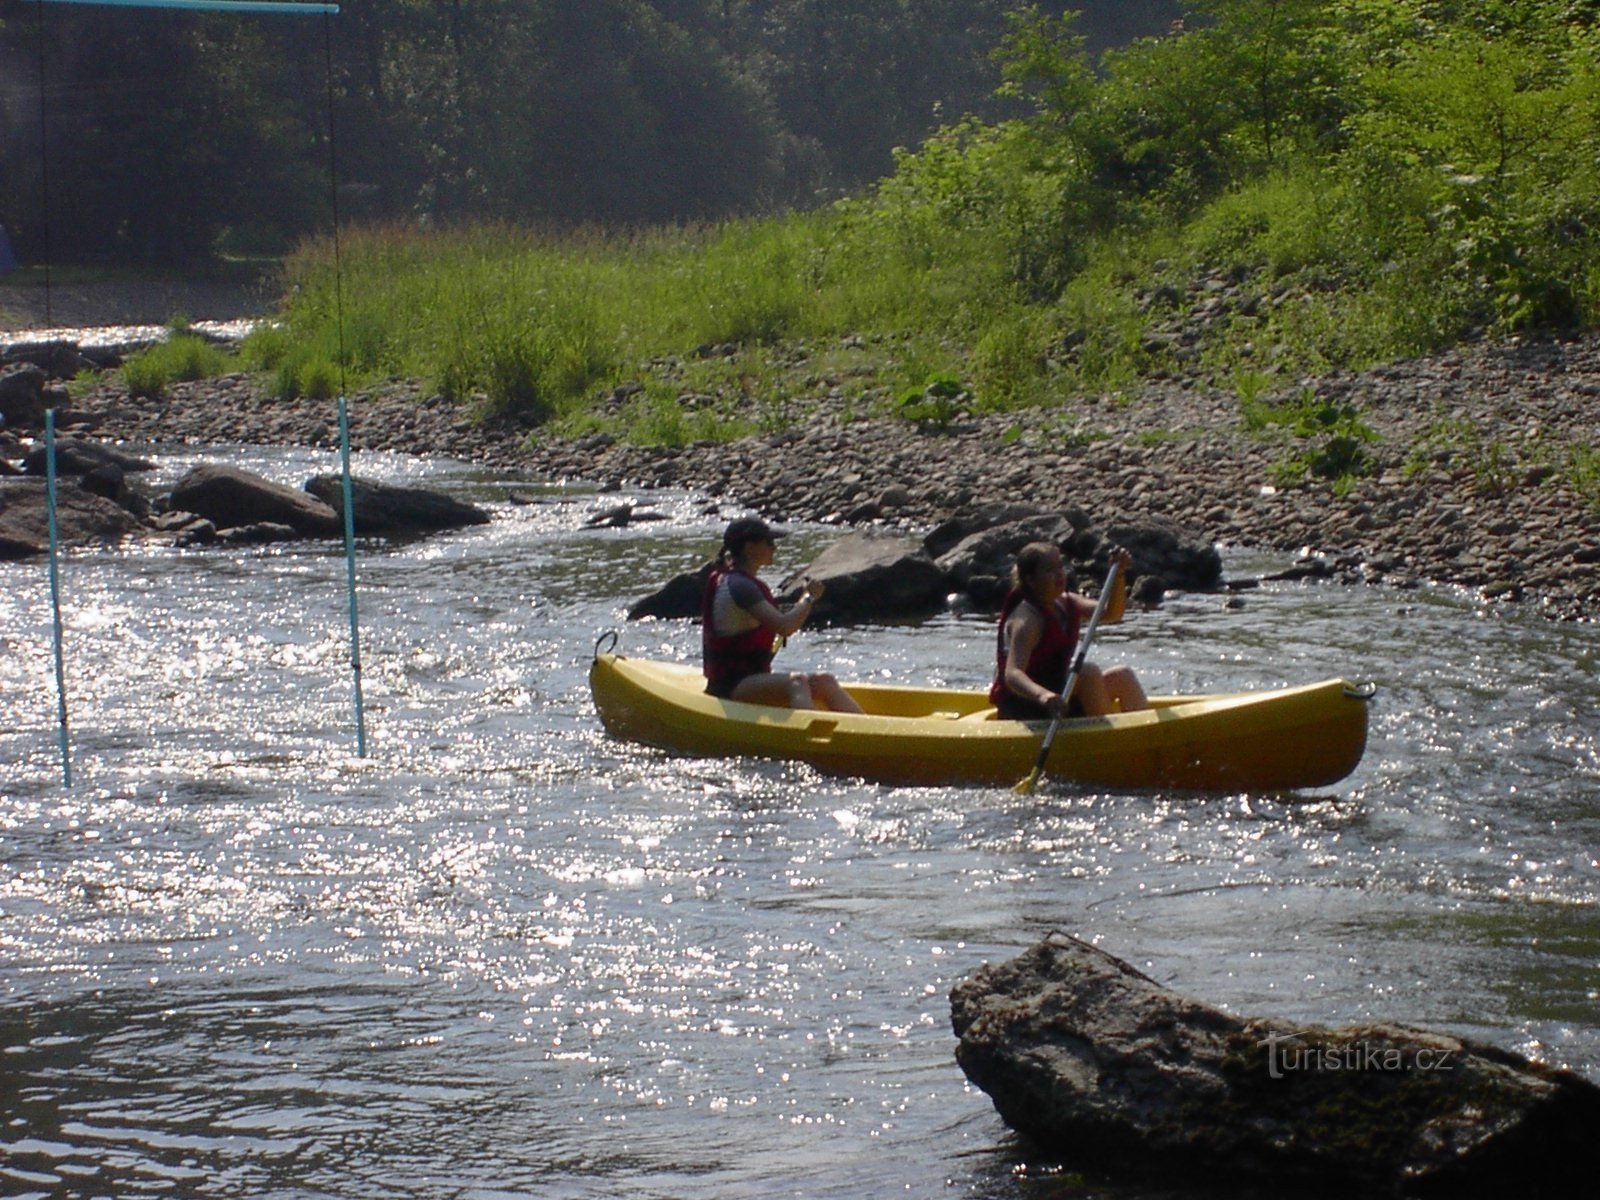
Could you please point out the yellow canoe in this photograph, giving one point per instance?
(1298, 737)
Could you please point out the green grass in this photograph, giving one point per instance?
(181, 357)
(1020, 259)
(1584, 471)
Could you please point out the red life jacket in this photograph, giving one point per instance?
(1048, 664)
(730, 657)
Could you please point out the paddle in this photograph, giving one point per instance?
(1025, 788)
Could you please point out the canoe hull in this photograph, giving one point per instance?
(1301, 737)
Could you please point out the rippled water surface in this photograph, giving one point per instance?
(505, 956)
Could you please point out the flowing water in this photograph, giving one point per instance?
(505, 956)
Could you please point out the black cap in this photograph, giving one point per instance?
(745, 530)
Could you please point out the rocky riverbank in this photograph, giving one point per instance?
(1483, 463)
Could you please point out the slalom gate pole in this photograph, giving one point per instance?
(350, 574)
(55, 591)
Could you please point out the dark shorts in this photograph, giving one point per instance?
(1015, 708)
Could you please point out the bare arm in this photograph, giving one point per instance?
(1022, 638)
(1118, 604)
(784, 622)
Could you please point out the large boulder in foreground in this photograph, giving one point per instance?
(1101, 1066)
(229, 497)
(388, 508)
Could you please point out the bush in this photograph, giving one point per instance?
(180, 358)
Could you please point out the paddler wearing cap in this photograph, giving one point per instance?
(741, 622)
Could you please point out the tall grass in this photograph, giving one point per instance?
(180, 357)
(532, 325)
(1020, 256)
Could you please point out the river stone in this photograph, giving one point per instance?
(869, 577)
(991, 551)
(865, 577)
(22, 396)
(58, 358)
(82, 518)
(228, 496)
(1180, 559)
(1102, 1066)
(79, 456)
(949, 533)
(388, 508)
(681, 597)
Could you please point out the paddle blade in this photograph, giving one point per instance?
(1026, 786)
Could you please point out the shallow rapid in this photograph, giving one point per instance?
(505, 955)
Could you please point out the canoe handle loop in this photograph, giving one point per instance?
(601, 641)
(1361, 691)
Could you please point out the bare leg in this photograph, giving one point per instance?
(1116, 689)
(1126, 692)
(1090, 692)
(777, 691)
(830, 694)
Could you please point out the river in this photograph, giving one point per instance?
(503, 955)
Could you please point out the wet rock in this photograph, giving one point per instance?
(22, 396)
(868, 577)
(681, 597)
(79, 456)
(83, 519)
(257, 534)
(1101, 1066)
(950, 533)
(1161, 548)
(196, 532)
(172, 520)
(59, 358)
(1148, 590)
(992, 550)
(387, 508)
(109, 480)
(228, 497)
(620, 516)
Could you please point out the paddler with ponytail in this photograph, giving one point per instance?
(741, 622)
(1039, 626)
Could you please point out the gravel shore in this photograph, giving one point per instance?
(1483, 472)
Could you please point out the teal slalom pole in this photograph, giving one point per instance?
(55, 590)
(350, 575)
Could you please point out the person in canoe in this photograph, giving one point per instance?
(1039, 626)
(741, 622)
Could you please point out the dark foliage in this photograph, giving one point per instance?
(170, 136)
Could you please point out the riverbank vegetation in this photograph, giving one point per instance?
(1281, 188)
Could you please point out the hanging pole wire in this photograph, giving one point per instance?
(44, 166)
(237, 6)
(55, 592)
(244, 6)
(346, 484)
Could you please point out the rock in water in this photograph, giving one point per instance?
(1101, 1066)
(387, 508)
(228, 497)
(871, 578)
